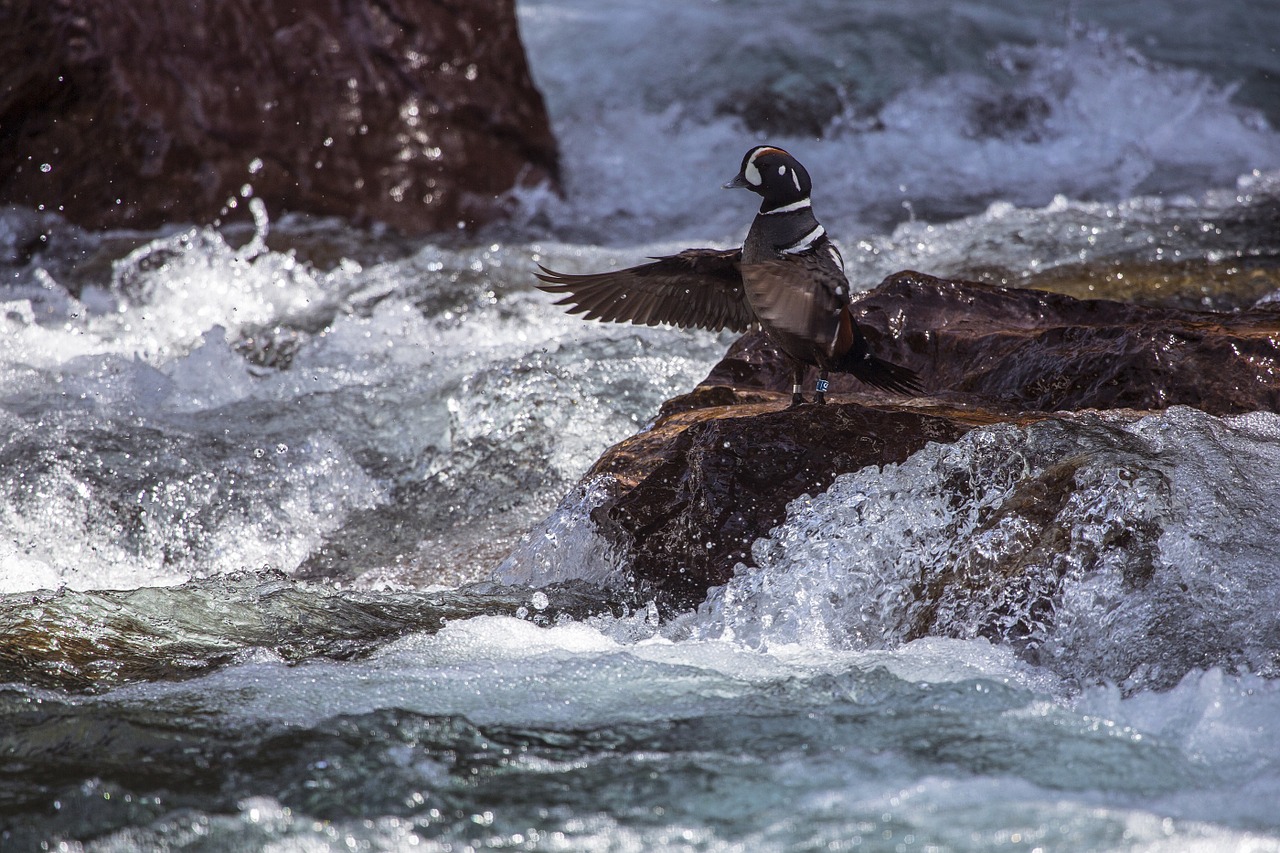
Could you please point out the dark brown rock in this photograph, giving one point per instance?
(1029, 350)
(717, 469)
(1194, 284)
(697, 489)
(416, 114)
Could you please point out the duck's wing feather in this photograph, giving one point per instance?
(697, 288)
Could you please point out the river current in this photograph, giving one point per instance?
(294, 553)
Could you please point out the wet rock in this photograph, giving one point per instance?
(1005, 577)
(1193, 284)
(97, 640)
(692, 493)
(418, 115)
(1021, 350)
(717, 469)
(1010, 116)
(790, 106)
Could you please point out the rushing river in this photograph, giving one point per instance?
(292, 546)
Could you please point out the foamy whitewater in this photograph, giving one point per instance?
(294, 553)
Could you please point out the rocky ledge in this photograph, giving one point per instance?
(418, 115)
(686, 498)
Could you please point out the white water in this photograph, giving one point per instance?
(144, 448)
(938, 744)
(942, 110)
(1166, 554)
(429, 408)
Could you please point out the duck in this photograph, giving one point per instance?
(787, 280)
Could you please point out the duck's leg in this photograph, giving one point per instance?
(821, 397)
(797, 384)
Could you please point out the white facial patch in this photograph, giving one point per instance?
(751, 171)
(782, 170)
(795, 179)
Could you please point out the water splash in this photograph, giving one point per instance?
(567, 545)
(214, 407)
(1091, 544)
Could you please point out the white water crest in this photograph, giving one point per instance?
(709, 745)
(1105, 547)
(918, 111)
(212, 408)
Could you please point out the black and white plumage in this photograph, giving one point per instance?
(787, 279)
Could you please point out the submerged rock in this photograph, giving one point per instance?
(97, 640)
(417, 115)
(686, 499)
(1102, 546)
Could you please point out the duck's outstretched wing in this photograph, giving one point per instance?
(698, 288)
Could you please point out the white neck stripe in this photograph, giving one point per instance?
(788, 208)
(806, 241)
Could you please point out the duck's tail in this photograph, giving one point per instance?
(874, 371)
(881, 374)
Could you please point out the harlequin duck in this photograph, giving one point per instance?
(787, 279)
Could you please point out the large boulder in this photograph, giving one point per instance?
(691, 495)
(420, 115)
(687, 497)
(1021, 350)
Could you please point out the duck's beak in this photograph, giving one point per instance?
(739, 182)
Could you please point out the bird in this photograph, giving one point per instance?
(787, 279)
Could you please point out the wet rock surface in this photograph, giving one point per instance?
(719, 466)
(1020, 350)
(418, 115)
(698, 489)
(98, 640)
